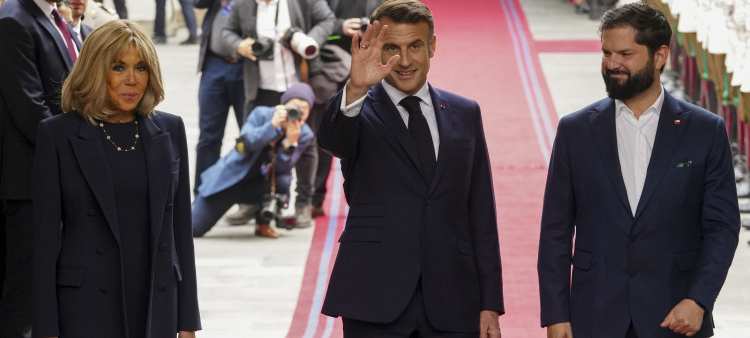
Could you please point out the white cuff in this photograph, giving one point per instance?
(353, 109)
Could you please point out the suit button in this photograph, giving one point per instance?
(103, 289)
(162, 287)
(633, 275)
(91, 212)
(168, 207)
(100, 250)
(163, 247)
(429, 202)
(633, 239)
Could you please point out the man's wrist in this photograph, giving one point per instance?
(354, 93)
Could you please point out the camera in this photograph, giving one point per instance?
(263, 48)
(365, 22)
(293, 113)
(306, 46)
(271, 210)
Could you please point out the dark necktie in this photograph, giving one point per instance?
(64, 30)
(420, 131)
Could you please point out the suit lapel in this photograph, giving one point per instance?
(158, 165)
(74, 36)
(668, 136)
(295, 14)
(444, 121)
(62, 48)
(388, 113)
(89, 152)
(604, 130)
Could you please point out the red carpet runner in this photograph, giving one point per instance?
(485, 52)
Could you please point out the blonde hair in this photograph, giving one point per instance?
(85, 89)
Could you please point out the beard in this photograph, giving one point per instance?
(634, 85)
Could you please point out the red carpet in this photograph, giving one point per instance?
(484, 52)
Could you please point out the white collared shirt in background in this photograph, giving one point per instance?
(635, 142)
(280, 73)
(77, 30)
(396, 96)
(47, 8)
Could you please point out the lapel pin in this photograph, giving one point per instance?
(442, 106)
(676, 122)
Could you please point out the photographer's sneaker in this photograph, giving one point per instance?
(304, 217)
(243, 215)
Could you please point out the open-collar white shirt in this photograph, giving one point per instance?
(280, 73)
(635, 142)
(396, 96)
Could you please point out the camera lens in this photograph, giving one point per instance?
(263, 48)
(293, 113)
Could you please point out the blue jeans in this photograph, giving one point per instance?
(187, 12)
(221, 87)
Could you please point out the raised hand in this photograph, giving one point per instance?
(367, 67)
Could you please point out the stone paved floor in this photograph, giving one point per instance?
(248, 286)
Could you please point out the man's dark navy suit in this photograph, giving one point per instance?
(400, 228)
(34, 61)
(626, 268)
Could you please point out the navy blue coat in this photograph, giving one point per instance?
(258, 132)
(34, 62)
(85, 30)
(679, 245)
(400, 228)
(77, 267)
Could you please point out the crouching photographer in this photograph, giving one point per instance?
(258, 172)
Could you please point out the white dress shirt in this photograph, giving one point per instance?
(77, 30)
(280, 73)
(47, 8)
(396, 96)
(635, 141)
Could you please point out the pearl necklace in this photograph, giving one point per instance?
(113, 143)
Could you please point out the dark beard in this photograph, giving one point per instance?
(633, 86)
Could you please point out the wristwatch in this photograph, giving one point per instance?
(289, 146)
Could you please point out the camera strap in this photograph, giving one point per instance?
(272, 153)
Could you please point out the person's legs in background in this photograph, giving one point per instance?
(15, 307)
(306, 168)
(189, 13)
(160, 35)
(121, 9)
(217, 92)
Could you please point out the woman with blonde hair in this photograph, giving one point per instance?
(113, 248)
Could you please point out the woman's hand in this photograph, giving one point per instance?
(186, 334)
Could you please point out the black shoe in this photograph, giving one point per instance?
(159, 40)
(583, 8)
(193, 40)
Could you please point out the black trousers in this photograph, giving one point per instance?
(265, 98)
(3, 249)
(631, 332)
(321, 173)
(412, 323)
(15, 306)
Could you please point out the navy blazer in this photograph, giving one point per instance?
(258, 132)
(35, 62)
(679, 245)
(77, 270)
(400, 228)
(85, 30)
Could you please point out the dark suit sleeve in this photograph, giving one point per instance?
(483, 223)
(720, 222)
(188, 316)
(556, 237)
(323, 21)
(338, 134)
(47, 220)
(21, 83)
(232, 32)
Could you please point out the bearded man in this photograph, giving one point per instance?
(645, 184)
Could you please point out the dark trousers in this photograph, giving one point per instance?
(208, 210)
(187, 12)
(307, 165)
(412, 323)
(631, 332)
(221, 87)
(265, 98)
(321, 174)
(120, 8)
(15, 307)
(3, 249)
